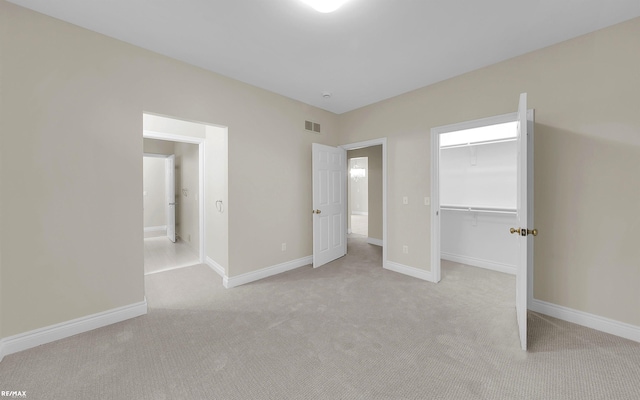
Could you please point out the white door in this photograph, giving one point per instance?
(329, 203)
(525, 228)
(170, 196)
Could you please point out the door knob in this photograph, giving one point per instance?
(315, 211)
(524, 232)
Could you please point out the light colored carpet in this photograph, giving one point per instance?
(348, 330)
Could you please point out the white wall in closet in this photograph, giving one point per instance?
(481, 177)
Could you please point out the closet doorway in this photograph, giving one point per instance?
(482, 199)
(478, 202)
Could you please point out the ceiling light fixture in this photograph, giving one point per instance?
(325, 6)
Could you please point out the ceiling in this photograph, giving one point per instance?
(367, 51)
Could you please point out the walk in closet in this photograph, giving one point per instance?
(478, 196)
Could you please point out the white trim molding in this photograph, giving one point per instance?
(407, 270)
(374, 241)
(230, 282)
(479, 262)
(219, 269)
(37, 337)
(592, 321)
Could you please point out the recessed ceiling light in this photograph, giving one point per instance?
(325, 6)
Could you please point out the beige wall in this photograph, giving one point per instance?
(75, 123)
(374, 179)
(153, 180)
(587, 158)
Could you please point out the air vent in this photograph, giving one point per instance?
(312, 126)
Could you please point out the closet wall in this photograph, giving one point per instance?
(481, 178)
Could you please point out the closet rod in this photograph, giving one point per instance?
(511, 211)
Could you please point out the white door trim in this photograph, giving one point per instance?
(370, 143)
(147, 134)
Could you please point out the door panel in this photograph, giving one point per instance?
(525, 217)
(329, 203)
(170, 197)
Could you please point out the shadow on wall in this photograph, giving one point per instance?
(586, 197)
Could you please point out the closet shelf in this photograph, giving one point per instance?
(491, 210)
(478, 143)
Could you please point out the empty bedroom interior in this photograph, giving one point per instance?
(71, 197)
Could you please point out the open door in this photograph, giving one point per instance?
(170, 196)
(525, 228)
(329, 167)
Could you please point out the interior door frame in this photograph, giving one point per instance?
(148, 134)
(361, 145)
(436, 270)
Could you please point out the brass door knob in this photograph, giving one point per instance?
(524, 232)
(315, 211)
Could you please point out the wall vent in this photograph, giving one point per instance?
(312, 126)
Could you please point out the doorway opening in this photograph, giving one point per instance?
(330, 201)
(366, 191)
(173, 195)
(469, 191)
(171, 205)
(358, 196)
(478, 196)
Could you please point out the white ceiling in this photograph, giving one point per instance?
(367, 51)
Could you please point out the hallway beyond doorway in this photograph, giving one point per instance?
(360, 224)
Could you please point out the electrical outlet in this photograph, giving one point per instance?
(405, 200)
(427, 201)
(284, 247)
(405, 249)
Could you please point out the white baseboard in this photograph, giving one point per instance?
(374, 241)
(155, 228)
(407, 270)
(234, 281)
(219, 269)
(592, 321)
(478, 262)
(37, 337)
